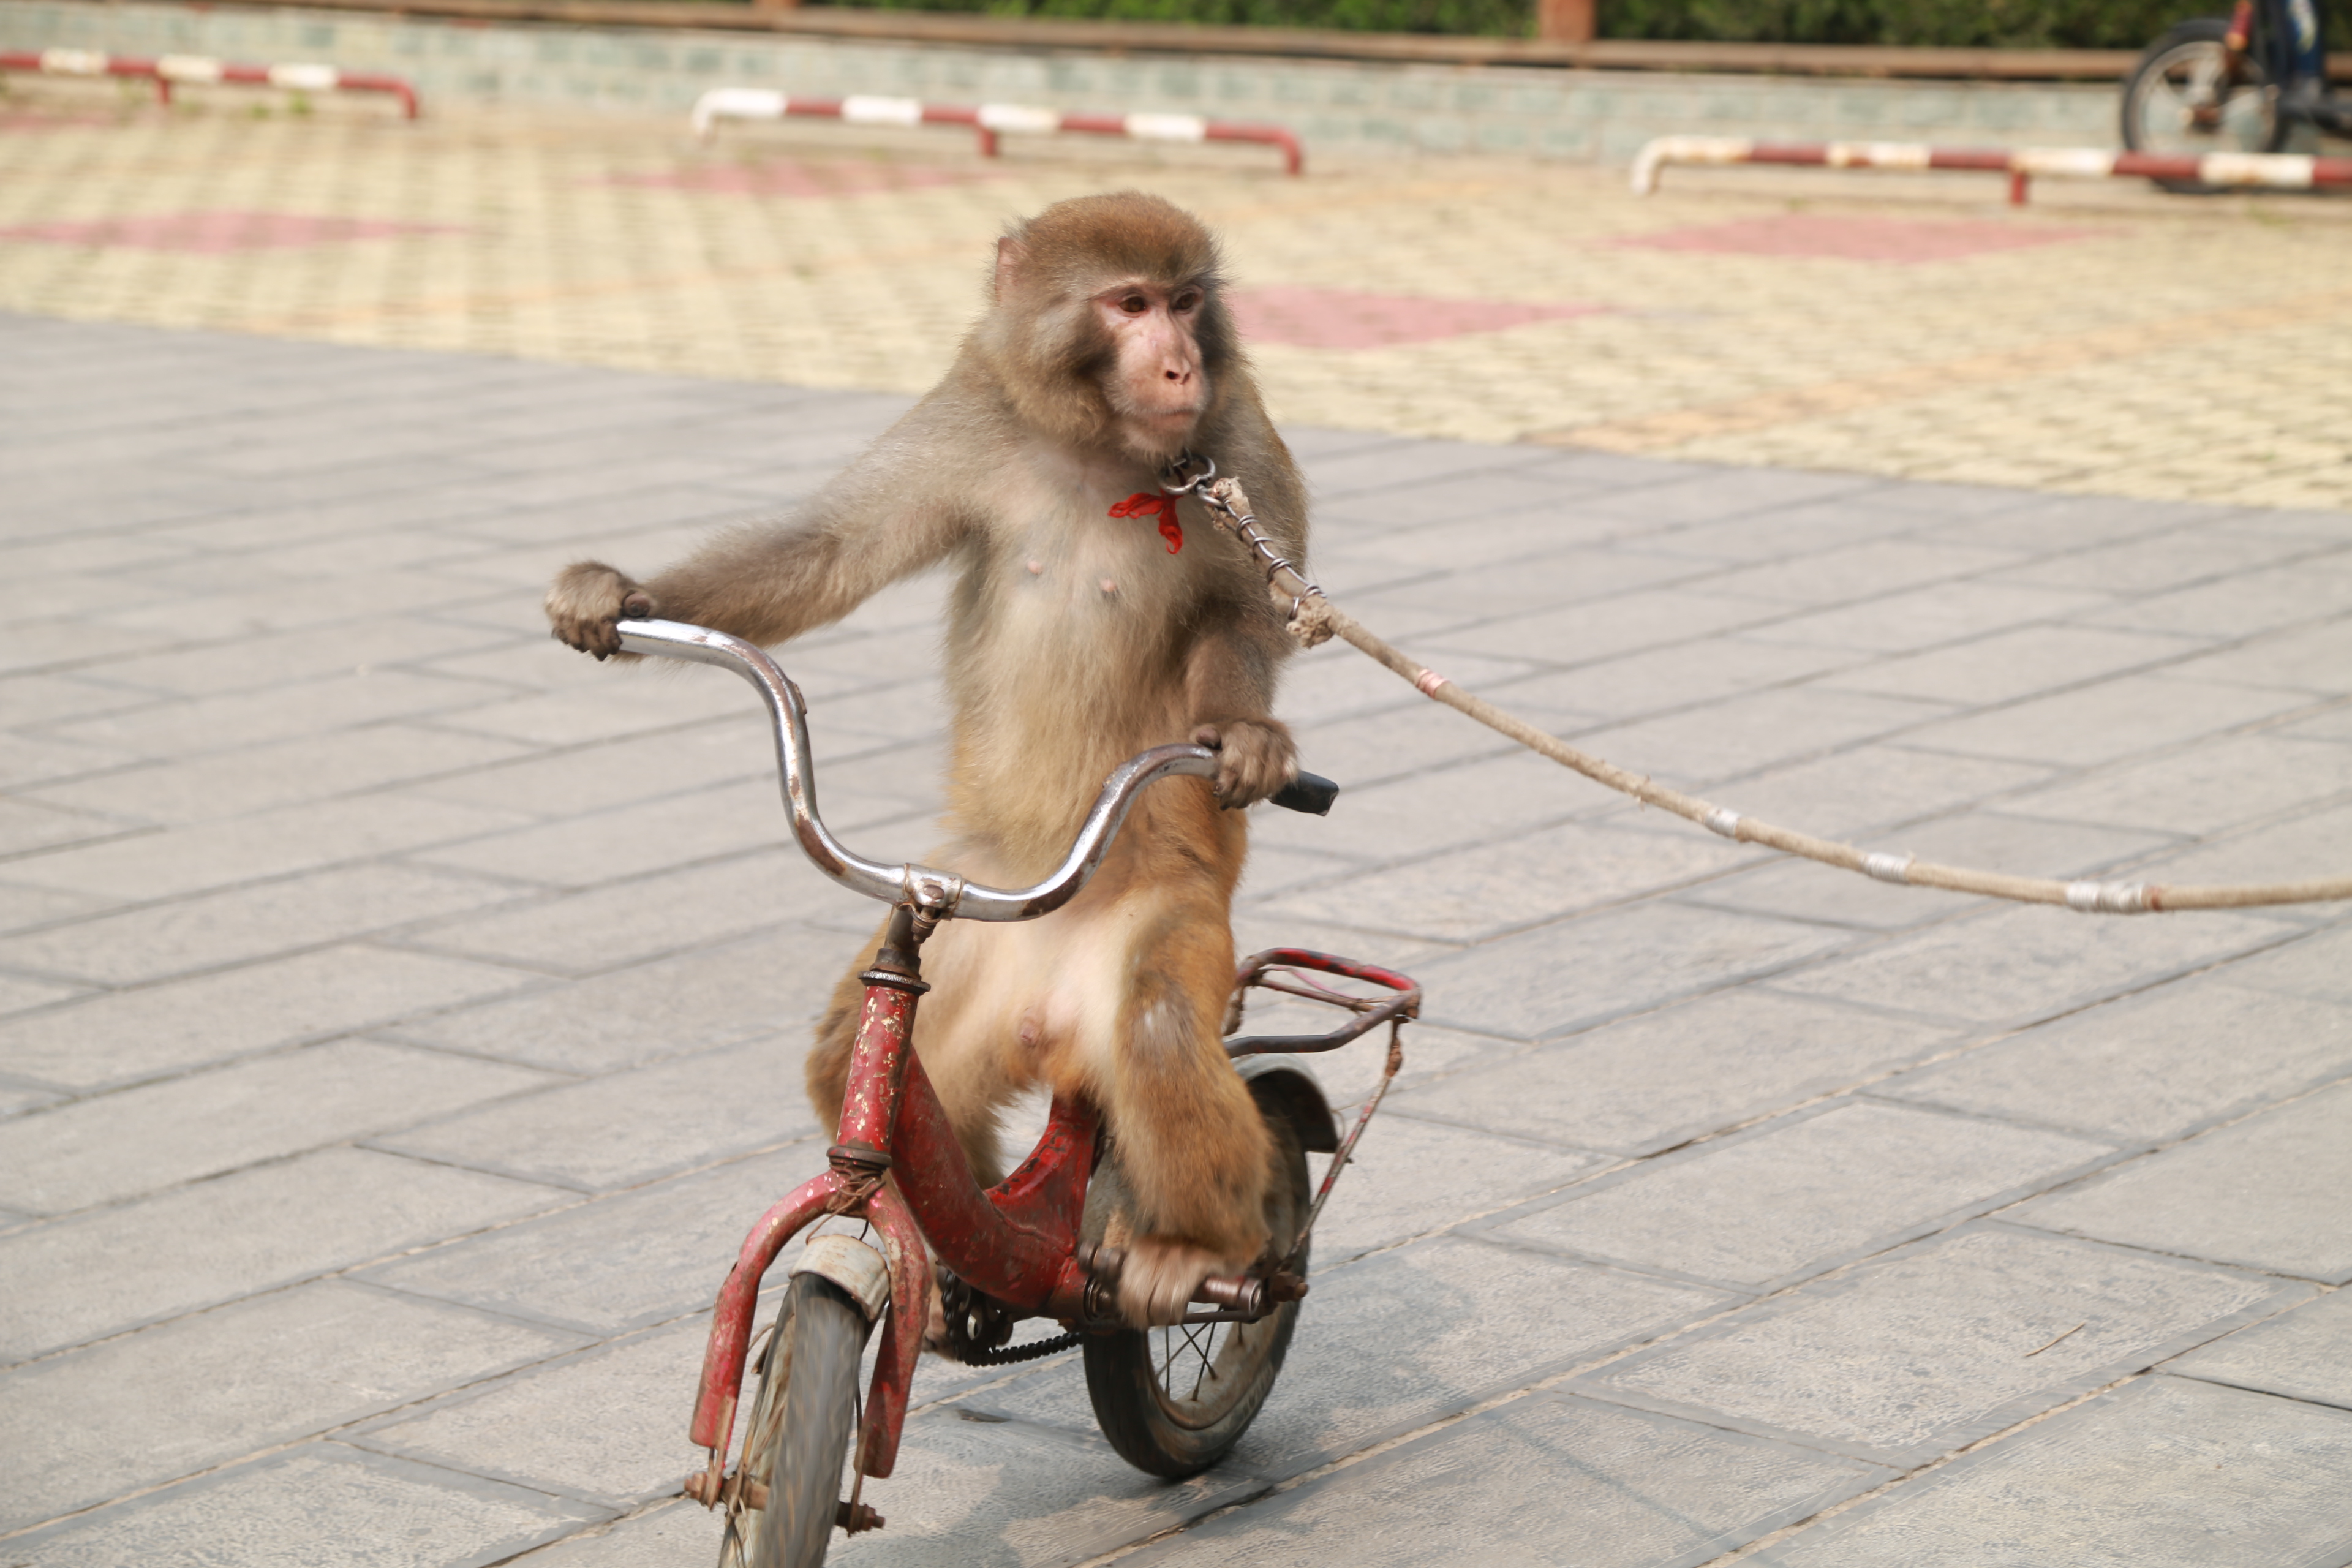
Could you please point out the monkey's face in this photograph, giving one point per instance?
(1155, 377)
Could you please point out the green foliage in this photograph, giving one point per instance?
(1993, 24)
(1465, 17)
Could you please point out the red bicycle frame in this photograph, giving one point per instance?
(896, 1164)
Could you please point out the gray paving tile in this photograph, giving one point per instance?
(26, 827)
(320, 1505)
(1512, 1485)
(155, 1406)
(1794, 1196)
(257, 1230)
(628, 1128)
(1520, 881)
(273, 842)
(352, 698)
(2011, 664)
(1654, 617)
(1652, 1082)
(655, 836)
(114, 1146)
(755, 986)
(2057, 523)
(1873, 787)
(2106, 721)
(1567, 976)
(2164, 1473)
(290, 772)
(624, 922)
(618, 773)
(1558, 578)
(2318, 966)
(2148, 1068)
(2210, 789)
(244, 923)
(1392, 1343)
(1755, 730)
(1007, 1494)
(667, 1536)
(1710, 493)
(2165, 561)
(2245, 603)
(1942, 1344)
(19, 993)
(2271, 1192)
(1387, 1194)
(2305, 1353)
(2024, 962)
(1858, 570)
(1686, 675)
(1929, 618)
(2311, 659)
(607, 1426)
(619, 1263)
(128, 1036)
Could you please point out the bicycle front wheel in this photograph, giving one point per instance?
(1173, 1401)
(802, 1424)
(2181, 99)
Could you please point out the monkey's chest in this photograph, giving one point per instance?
(1076, 587)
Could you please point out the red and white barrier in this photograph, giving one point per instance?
(987, 119)
(2272, 170)
(173, 70)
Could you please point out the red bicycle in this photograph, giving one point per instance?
(1171, 1400)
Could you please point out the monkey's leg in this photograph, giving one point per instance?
(1190, 1144)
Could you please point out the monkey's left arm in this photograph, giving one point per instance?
(1228, 691)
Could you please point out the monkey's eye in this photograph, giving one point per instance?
(1186, 302)
(1135, 304)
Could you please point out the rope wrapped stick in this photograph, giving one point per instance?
(1313, 617)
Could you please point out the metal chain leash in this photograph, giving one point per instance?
(1312, 618)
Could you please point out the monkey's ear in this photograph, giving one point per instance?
(1011, 256)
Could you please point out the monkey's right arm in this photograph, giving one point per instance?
(889, 516)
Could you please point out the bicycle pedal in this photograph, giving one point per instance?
(857, 1517)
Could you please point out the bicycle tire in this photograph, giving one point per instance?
(1128, 1372)
(803, 1419)
(2154, 103)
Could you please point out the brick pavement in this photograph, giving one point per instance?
(401, 1017)
(2108, 340)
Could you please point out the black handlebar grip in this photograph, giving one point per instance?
(1310, 793)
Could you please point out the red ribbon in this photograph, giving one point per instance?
(1143, 504)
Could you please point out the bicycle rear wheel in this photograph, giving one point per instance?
(1174, 1401)
(802, 1424)
(2179, 99)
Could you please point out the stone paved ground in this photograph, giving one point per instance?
(2108, 339)
(401, 1017)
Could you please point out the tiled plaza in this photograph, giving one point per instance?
(401, 1017)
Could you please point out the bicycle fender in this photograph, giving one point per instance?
(854, 1266)
(1289, 1084)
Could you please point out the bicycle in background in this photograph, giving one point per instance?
(2236, 84)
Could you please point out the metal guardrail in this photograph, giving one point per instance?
(990, 120)
(167, 71)
(2255, 171)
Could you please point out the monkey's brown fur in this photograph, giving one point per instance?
(1075, 640)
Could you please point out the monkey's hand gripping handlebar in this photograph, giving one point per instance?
(938, 895)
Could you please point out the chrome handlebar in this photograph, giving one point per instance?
(938, 894)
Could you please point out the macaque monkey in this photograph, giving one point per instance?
(1082, 630)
